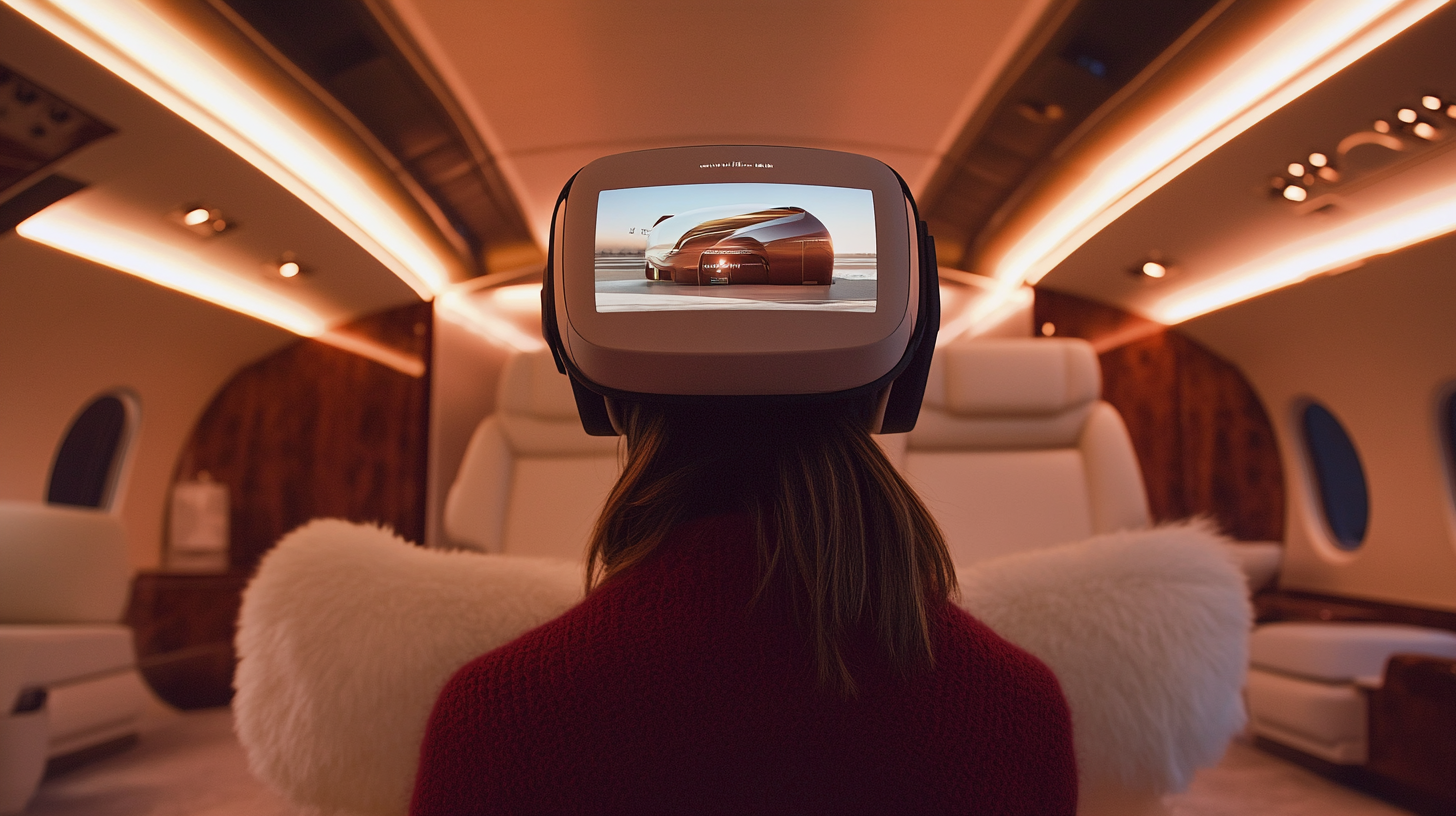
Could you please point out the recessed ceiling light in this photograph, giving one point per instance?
(1431, 102)
(1048, 329)
(1406, 115)
(202, 220)
(1380, 126)
(1424, 130)
(1153, 269)
(1408, 222)
(1296, 169)
(1329, 174)
(1318, 160)
(1306, 44)
(1451, 111)
(289, 269)
(71, 229)
(226, 96)
(1295, 193)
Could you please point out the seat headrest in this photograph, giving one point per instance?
(531, 386)
(61, 564)
(1005, 377)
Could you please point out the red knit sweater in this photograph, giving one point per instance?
(663, 692)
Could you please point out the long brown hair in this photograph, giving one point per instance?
(841, 536)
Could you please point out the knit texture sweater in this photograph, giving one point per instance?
(667, 691)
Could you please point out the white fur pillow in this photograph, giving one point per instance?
(347, 634)
(1148, 633)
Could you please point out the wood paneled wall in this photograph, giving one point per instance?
(313, 431)
(1201, 434)
(309, 432)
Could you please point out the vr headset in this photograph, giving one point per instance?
(747, 274)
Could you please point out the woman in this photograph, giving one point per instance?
(768, 629)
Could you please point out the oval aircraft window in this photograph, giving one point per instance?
(1450, 436)
(85, 465)
(1340, 478)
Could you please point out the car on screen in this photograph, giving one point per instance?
(728, 245)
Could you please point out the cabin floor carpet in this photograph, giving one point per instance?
(190, 764)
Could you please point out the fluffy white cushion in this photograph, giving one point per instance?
(1148, 633)
(347, 635)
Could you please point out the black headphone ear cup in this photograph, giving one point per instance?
(903, 407)
(592, 408)
(908, 389)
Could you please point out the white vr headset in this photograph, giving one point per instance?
(744, 273)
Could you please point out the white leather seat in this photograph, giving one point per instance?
(532, 481)
(63, 586)
(1014, 451)
(1305, 681)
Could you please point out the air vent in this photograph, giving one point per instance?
(1096, 48)
(37, 128)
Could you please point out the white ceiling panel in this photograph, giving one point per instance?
(556, 84)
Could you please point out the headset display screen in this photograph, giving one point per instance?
(735, 246)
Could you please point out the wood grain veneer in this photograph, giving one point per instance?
(1285, 605)
(316, 432)
(1202, 437)
(311, 431)
(1413, 730)
(183, 626)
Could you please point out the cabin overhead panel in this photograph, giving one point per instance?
(1088, 54)
(357, 57)
(197, 64)
(552, 86)
(142, 184)
(1360, 166)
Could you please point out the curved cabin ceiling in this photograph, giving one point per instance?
(358, 59)
(554, 85)
(992, 112)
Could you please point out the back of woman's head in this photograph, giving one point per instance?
(842, 539)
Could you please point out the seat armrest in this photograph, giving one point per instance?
(1259, 560)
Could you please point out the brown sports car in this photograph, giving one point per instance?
(782, 245)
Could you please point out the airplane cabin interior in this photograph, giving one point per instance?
(272, 272)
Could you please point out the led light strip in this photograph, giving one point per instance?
(128, 38)
(1311, 45)
(484, 318)
(408, 364)
(109, 244)
(976, 318)
(1419, 219)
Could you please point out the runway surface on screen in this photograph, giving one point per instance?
(622, 288)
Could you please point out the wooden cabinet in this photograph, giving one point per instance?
(1413, 731)
(184, 627)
